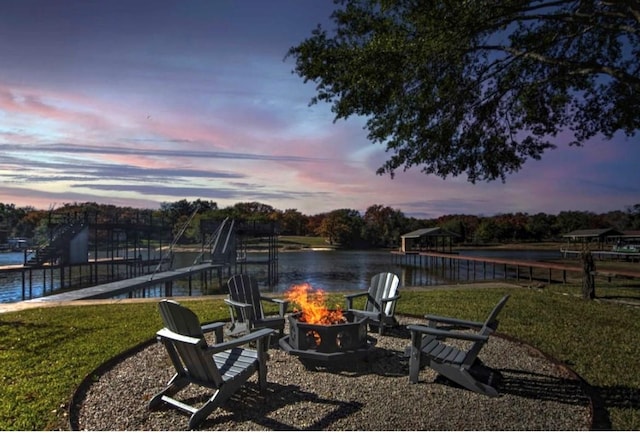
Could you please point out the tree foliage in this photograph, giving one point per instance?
(478, 87)
(380, 226)
(383, 226)
(342, 226)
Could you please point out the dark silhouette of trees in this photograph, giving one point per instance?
(478, 87)
(380, 226)
(293, 222)
(343, 227)
(383, 226)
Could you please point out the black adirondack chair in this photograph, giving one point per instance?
(223, 367)
(381, 298)
(246, 309)
(461, 366)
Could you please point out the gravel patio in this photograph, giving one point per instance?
(536, 393)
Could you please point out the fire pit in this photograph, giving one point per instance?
(319, 333)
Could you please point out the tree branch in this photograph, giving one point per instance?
(578, 68)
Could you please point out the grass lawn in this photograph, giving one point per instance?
(46, 352)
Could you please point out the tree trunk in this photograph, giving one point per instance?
(588, 277)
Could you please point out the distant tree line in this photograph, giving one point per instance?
(380, 226)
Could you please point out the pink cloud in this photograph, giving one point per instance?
(41, 104)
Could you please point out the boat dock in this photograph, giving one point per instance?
(472, 268)
(603, 255)
(131, 285)
(50, 278)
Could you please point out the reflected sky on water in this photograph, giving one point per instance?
(352, 270)
(327, 270)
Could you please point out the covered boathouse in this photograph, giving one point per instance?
(431, 239)
(598, 239)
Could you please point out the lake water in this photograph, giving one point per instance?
(13, 258)
(327, 270)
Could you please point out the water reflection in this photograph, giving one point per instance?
(334, 270)
(328, 270)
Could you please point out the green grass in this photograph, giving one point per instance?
(290, 242)
(45, 353)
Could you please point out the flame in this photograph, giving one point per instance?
(312, 305)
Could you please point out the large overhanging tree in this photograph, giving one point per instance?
(478, 87)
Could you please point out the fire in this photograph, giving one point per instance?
(312, 305)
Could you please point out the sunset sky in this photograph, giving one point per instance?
(135, 103)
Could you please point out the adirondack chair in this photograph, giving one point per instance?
(459, 365)
(223, 366)
(245, 307)
(381, 300)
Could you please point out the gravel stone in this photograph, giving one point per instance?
(370, 394)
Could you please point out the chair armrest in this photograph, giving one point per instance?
(453, 321)
(236, 303)
(212, 326)
(170, 335)
(352, 296)
(216, 327)
(215, 348)
(241, 341)
(355, 295)
(283, 304)
(375, 315)
(276, 300)
(419, 329)
(245, 310)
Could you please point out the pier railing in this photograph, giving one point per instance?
(461, 267)
(158, 284)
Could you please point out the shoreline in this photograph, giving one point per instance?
(542, 246)
(39, 303)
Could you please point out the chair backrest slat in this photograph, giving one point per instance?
(193, 358)
(383, 285)
(244, 288)
(179, 319)
(200, 365)
(490, 326)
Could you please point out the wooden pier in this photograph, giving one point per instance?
(133, 285)
(603, 255)
(52, 277)
(483, 268)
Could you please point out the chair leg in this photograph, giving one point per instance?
(176, 383)
(219, 397)
(464, 378)
(415, 357)
(216, 400)
(262, 363)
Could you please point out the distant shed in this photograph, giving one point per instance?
(600, 237)
(431, 239)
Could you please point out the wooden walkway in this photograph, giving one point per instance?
(599, 254)
(116, 288)
(521, 268)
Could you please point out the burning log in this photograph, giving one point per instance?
(316, 331)
(312, 305)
